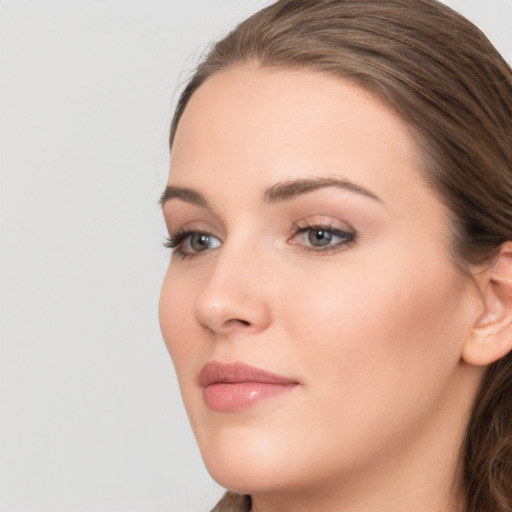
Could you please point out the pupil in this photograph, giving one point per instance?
(200, 242)
(319, 237)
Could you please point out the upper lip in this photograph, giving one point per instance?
(215, 373)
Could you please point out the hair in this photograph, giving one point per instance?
(444, 78)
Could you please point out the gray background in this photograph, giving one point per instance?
(90, 414)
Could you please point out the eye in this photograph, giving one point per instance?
(191, 243)
(322, 238)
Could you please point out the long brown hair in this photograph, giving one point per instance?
(454, 90)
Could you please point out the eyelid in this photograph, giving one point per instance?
(346, 234)
(184, 225)
(326, 221)
(177, 238)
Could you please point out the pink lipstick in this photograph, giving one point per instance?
(231, 387)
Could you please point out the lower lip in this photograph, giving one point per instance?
(231, 397)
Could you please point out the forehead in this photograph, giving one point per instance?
(265, 125)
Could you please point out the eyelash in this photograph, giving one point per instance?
(347, 238)
(176, 240)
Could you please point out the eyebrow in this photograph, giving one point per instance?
(279, 192)
(185, 194)
(289, 189)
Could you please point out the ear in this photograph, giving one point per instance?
(491, 337)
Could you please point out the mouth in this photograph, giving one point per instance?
(236, 386)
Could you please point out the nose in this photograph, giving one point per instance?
(236, 297)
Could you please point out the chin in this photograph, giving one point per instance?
(247, 463)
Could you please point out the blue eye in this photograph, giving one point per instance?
(191, 243)
(199, 242)
(322, 238)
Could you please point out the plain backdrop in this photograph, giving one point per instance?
(90, 414)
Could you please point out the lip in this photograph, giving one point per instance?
(236, 386)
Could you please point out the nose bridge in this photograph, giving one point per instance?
(235, 294)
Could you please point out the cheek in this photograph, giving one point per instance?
(380, 335)
(378, 354)
(175, 298)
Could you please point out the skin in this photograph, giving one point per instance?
(372, 330)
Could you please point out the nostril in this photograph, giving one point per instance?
(237, 321)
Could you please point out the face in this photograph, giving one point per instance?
(311, 307)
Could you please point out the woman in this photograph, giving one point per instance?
(338, 306)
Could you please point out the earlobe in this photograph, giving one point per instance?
(491, 337)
